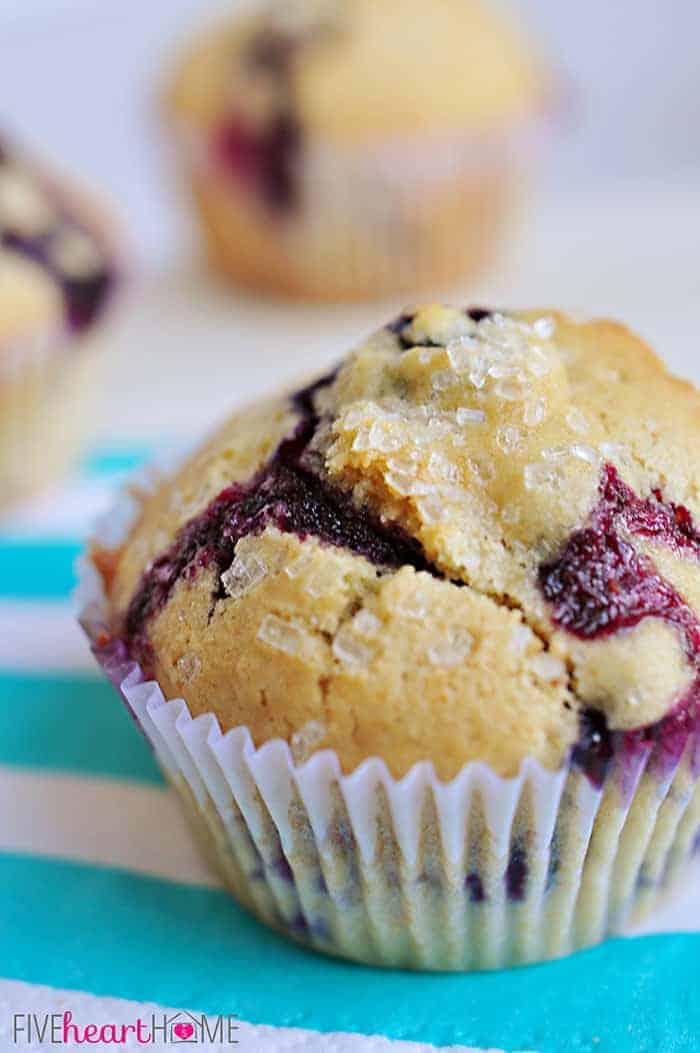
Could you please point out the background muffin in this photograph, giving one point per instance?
(349, 150)
(460, 546)
(57, 275)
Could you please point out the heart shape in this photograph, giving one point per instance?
(183, 1031)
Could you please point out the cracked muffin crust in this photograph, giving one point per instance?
(367, 132)
(474, 540)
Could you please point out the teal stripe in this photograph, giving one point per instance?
(40, 567)
(68, 722)
(37, 570)
(115, 459)
(116, 933)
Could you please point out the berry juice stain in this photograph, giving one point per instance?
(285, 493)
(266, 157)
(599, 586)
(85, 296)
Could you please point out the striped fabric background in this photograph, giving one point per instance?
(104, 894)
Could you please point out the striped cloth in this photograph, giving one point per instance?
(110, 914)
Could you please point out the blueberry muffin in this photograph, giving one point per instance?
(472, 552)
(57, 275)
(343, 149)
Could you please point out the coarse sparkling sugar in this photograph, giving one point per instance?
(548, 667)
(366, 624)
(509, 439)
(282, 635)
(545, 328)
(189, 666)
(301, 563)
(465, 415)
(431, 508)
(452, 649)
(350, 649)
(246, 571)
(577, 421)
(535, 412)
(321, 580)
(415, 605)
(542, 474)
(521, 636)
(305, 741)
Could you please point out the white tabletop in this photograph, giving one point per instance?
(188, 349)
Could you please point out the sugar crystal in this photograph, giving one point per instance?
(585, 453)
(385, 437)
(520, 637)
(535, 412)
(415, 606)
(322, 580)
(452, 649)
(431, 508)
(510, 514)
(544, 328)
(548, 667)
(349, 649)
(577, 421)
(281, 635)
(246, 571)
(304, 741)
(542, 474)
(302, 561)
(443, 379)
(509, 439)
(189, 666)
(508, 390)
(362, 440)
(366, 623)
(460, 352)
(464, 415)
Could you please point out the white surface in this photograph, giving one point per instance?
(63, 646)
(29, 998)
(189, 350)
(80, 78)
(45, 814)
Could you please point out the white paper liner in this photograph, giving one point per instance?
(402, 216)
(47, 410)
(476, 873)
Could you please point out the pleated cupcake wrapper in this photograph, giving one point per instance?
(399, 216)
(47, 408)
(475, 873)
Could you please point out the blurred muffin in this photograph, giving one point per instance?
(472, 554)
(57, 274)
(344, 149)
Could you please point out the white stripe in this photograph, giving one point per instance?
(23, 999)
(66, 512)
(141, 828)
(41, 637)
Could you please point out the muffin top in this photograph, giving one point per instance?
(476, 539)
(55, 271)
(359, 70)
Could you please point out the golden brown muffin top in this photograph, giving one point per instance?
(55, 268)
(359, 70)
(475, 534)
